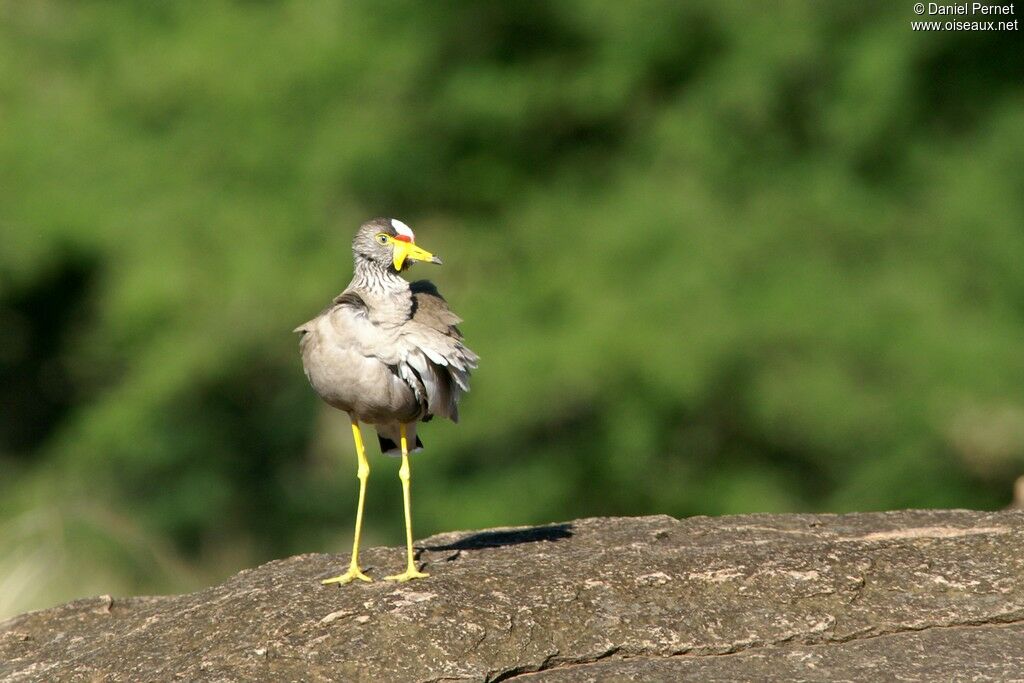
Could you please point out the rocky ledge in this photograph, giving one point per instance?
(913, 595)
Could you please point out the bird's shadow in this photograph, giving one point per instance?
(498, 539)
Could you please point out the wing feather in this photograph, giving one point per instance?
(441, 359)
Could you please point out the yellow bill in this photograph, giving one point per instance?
(407, 251)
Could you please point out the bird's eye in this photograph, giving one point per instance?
(382, 238)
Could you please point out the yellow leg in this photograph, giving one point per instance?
(411, 572)
(362, 474)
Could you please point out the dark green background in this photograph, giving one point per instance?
(716, 257)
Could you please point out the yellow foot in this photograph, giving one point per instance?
(408, 575)
(352, 574)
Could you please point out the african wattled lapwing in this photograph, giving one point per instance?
(388, 353)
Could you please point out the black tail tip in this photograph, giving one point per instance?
(389, 446)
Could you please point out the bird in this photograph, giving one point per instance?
(389, 353)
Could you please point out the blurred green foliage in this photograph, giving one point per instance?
(716, 257)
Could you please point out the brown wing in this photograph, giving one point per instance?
(437, 356)
(429, 308)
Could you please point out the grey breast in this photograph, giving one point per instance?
(351, 363)
(388, 364)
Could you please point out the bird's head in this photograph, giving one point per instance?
(390, 243)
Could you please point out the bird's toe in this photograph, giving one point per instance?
(351, 575)
(408, 575)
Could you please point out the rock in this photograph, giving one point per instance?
(919, 595)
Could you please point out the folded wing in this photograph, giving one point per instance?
(436, 363)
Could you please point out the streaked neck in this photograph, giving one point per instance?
(386, 293)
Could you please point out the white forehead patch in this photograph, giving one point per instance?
(402, 229)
